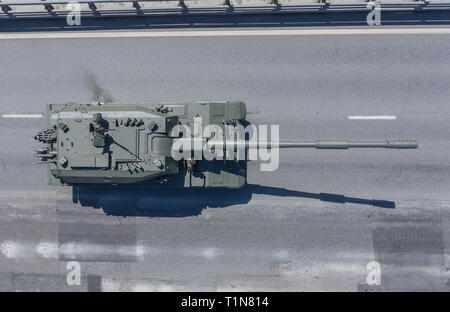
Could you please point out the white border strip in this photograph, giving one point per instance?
(21, 115)
(372, 117)
(222, 33)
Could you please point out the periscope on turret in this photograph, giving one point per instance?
(161, 145)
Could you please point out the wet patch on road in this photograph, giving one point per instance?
(87, 234)
(409, 246)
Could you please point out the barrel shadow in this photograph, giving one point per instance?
(128, 201)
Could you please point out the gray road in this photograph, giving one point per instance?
(314, 224)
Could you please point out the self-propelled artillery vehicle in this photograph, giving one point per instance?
(116, 144)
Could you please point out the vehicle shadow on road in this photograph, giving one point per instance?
(126, 201)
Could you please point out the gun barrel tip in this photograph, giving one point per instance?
(407, 144)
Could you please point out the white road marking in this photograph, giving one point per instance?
(116, 285)
(221, 33)
(21, 115)
(372, 117)
(9, 249)
(12, 249)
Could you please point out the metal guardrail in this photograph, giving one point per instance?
(57, 8)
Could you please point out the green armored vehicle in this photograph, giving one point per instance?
(141, 144)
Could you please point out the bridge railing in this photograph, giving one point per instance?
(60, 8)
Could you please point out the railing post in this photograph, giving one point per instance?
(49, 7)
(136, 5)
(6, 8)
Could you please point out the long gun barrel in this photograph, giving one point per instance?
(320, 144)
(336, 144)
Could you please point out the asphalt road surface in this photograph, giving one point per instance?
(316, 223)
